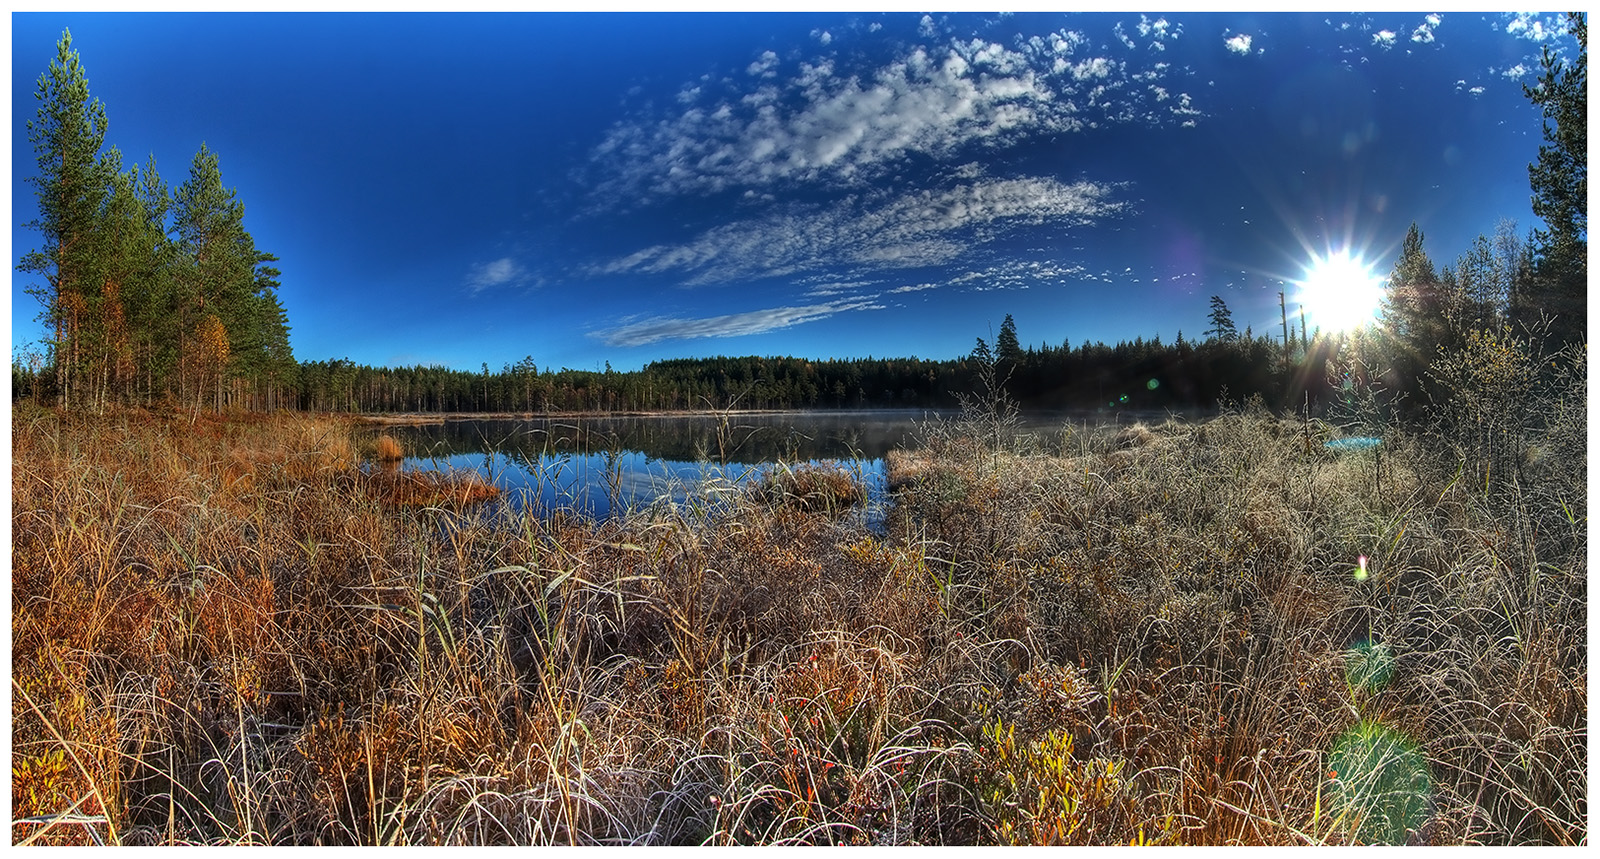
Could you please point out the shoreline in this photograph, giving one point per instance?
(422, 418)
(432, 418)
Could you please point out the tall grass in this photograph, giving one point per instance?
(232, 632)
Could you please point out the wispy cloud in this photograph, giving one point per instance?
(825, 122)
(1019, 274)
(821, 124)
(497, 273)
(656, 329)
(909, 231)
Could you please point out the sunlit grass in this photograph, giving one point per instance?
(232, 631)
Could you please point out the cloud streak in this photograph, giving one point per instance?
(909, 231)
(657, 329)
(497, 273)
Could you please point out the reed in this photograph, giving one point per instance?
(231, 633)
(388, 449)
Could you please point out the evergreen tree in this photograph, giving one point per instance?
(1415, 313)
(223, 286)
(1560, 183)
(1006, 346)
(1221, 321)
(982, 353)
(1477, 297)
(67, 134)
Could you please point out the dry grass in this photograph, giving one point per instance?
(388, 449)
(227, 632)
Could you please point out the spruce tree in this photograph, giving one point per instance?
(1006, 346)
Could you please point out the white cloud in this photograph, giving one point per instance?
(1384, 39)
(917, 288)
(1515, 71)
(1529, 25)
(1424, 31)
(764, 65)
(1160, 27)
(926, 28)
(656, 329)
(1090, 69)
(909, 231)
(822, 36)
(497, 273)
(1239, 44)
(1126, 39)
(1477, 90)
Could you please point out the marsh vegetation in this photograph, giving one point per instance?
(235, 631)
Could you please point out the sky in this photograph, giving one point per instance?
(584, 188)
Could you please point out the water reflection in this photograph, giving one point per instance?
(747, 439)
(604, 466)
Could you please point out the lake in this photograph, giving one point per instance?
(600, 466)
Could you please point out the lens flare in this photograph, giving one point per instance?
(1368, 666)
(1340, 293)
(1361, 569)
(1379, 786)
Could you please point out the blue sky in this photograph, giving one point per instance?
(626, 187)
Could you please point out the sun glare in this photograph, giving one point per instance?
(1340, 293)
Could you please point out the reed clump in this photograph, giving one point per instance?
(388, 449)
(1082, 639)
(813, 487)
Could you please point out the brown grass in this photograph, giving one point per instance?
(388, 449)
(227, 632)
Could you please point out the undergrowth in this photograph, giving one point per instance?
(231, 631)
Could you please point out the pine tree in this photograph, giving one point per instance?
(67, 134)
(1221, 321)
(1560, 184)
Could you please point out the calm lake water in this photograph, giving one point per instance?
(604, 465)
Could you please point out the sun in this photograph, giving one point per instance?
(1340, 293)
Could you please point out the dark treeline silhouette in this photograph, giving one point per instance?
(1139, 374)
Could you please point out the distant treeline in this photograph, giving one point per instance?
(1140, 374)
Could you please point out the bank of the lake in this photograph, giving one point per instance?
(246, 630)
